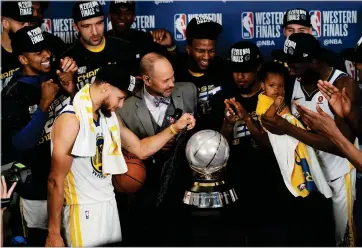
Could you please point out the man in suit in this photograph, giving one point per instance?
(150, 111)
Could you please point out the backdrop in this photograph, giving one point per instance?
(336, 24)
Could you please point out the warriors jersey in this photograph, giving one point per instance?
(113, 51)
(333, 166)
(85, 182)
(9, 64)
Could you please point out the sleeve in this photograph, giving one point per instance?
(25, 130)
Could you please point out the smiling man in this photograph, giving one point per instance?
(93, 50)
(201, 66)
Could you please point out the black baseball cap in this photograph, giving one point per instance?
(244, 57)
(353, 54)
(117, 76)
(86, 10)
(203, 28)
(116, 5)
(19, 11)
(297, 16)
(29, 39)
(299, 48)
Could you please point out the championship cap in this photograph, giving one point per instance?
(203, 28)
(244, 56)
(297, 16)
(19, 11)
(299, 47)
(29, 39)
(117, 76)
(116, 5)
(353, 54)
(86, 10)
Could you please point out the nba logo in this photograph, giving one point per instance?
(180, 27)
(315, 20)
(247, 25)
(46, 26)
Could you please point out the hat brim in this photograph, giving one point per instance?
(351, 55)
(243, 67)
(280, 56)
(305, 24)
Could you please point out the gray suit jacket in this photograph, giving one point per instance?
(136, 116)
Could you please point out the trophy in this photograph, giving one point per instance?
(207, 152)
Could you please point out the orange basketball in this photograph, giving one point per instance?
(133, 180)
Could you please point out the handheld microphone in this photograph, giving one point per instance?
(178, 113)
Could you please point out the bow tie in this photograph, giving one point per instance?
(159, 100)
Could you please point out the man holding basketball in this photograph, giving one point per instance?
(90, 214)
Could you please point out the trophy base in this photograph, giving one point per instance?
(209, 195)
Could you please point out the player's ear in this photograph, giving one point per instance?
(75, 26)
(23, 60)
(262, 86)
(310, 30)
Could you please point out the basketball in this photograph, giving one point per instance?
(134, 178)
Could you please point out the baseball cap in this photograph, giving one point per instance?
(19, 11)
(116, 5)
(299, 47)
(86, 10)
(297, 16)
(203, 28)
(117, 76)
(353, 54)
(244, 56)
(29, 39)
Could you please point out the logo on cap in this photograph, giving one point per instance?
(289, 47)
(25, 8)
(315, 19)
(240, 55)
(35, 35)
(247, 24)
(132, 83)
(89, 9)
(180, 27)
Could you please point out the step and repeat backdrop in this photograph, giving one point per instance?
(337, 25)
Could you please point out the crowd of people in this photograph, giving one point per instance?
(69, 112)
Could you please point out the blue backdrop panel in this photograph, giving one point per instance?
(336, 24)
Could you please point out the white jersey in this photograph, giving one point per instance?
(333, 166)
(85, 183)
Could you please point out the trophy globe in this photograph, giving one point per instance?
(207, 152)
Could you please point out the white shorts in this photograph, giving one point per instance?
(35, 213)
(343, 198)
(91, 224)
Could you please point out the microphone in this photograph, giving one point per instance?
(178, 113)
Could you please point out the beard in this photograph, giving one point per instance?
(105, 110)
(310, 76)
(246, 90)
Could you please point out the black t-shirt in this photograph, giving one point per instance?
(210, 87)
(142, 42)
(115, 51)
(9, 64)
(253, 170)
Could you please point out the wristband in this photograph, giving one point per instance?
(172, 129)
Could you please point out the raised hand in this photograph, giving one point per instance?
(339, 101)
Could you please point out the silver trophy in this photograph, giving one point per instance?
(207, 152)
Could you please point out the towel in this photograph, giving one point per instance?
(298, 162)
(85, 144)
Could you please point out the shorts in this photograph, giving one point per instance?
(91, 224)
(35, 213)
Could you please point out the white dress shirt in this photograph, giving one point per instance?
(159, 112)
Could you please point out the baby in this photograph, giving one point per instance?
(271, 101)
